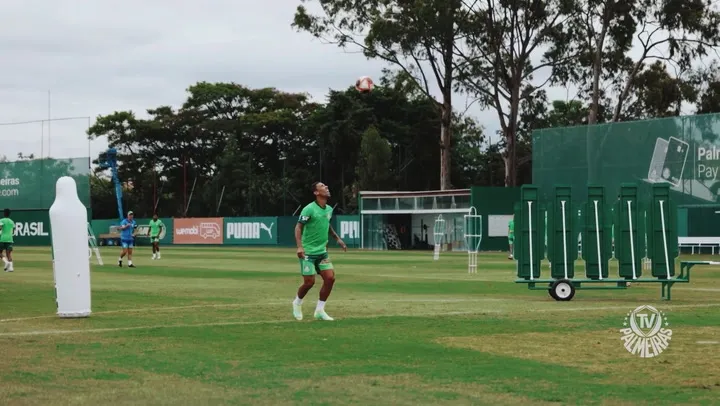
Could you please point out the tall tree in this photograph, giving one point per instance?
(604, 31)
(708, 80)
(373, 169)
(197, 148)
(506, 38)
(418, 37)
(657, 93)
(255, 151)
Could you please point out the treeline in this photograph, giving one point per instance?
(234, 151)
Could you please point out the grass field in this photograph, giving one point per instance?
(214, 326)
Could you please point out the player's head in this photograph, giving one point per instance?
(131, 215)
(6, 212)
(320, 189)
(155, 216)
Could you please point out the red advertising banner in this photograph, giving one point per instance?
(206, 230)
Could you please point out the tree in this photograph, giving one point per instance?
(418, 37)
(103, 202)
(468, 158)
(657, 94)
(234, 151)
(504, 38)
(373, 170)
(603, 31)
(708, 80)
(405, 118)
(197, 148)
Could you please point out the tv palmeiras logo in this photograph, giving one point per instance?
(645, 332)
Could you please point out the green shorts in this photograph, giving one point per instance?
(6, 246)
(154, 239)
(511, 238)
(314, 264)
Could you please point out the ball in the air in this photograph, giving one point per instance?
(364, 84)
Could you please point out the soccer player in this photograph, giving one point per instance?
(7, 231)
(311, 236)
(156, 226)
(511, 235)
(127, 238)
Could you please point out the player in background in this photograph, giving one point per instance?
(156, 226)
(7, 231)
(311, 236)
(511, 235)
(127, 238)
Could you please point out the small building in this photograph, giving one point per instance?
(407, 220)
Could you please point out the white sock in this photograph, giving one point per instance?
(11, 265)
(129, 261)
(320, 306)
(120, 259)
(297, 301)
(5, 260)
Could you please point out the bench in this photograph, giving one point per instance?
(108, 239)
(699, 243)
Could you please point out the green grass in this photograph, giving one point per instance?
(214, 326)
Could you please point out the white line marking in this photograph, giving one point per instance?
(459, 278)
(221, 323)
(241, 323)
(699, 289)
(266, 304)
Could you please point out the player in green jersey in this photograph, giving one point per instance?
(511, 235)
(156, 227)
(311, 235)
(7, 231)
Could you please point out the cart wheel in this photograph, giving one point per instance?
(551, 291)
(562, 290)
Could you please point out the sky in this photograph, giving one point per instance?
(72, 60)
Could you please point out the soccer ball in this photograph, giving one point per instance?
(364, 84)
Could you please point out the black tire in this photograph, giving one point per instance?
(551, 291)
(562, 290)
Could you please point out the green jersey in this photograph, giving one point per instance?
(155, 226)
(316, 222)
(8, 230)
(511, 227)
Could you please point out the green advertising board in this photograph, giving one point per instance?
(250, 230)
(102, 227)
(348, 228)
(32, 228)
(31, 184)
(683, 152)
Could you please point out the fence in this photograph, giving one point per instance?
(239, 231)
